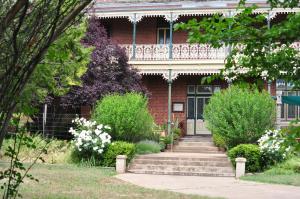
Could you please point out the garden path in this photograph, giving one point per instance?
(227, 187)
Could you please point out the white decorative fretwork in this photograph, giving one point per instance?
(176, 72)
(171, 17)
(230, 13)
(179, 52)
(135, 18)
(157, 52)
(271, 15)
(183, 12)
(174, 75)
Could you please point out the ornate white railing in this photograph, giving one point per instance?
(179, 52)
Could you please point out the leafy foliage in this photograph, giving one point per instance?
(108, 71)
(62, 67)
(15, 175)
(127, 115)
(115, 149)
(147, 146)
(292, 134)
(27, 29)
(256, 50)
(218, 140)
(240, 114)
(249, 151)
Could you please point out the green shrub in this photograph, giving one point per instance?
(168, 139)
(218, 140)
(147, 146)
(115, 149)
(249, 151)
(162, 143)
(292, 133)
(127, 115)
(292, 164)
(240, 114)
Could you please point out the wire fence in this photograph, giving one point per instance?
(53, 122)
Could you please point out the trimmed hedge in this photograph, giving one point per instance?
(115, 149)
(249, 151)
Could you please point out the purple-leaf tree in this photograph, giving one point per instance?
(108, 71)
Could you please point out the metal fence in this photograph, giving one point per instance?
(53, 122)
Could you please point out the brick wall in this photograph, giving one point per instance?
(158, 100)
(121, 31)
(146, 33)
(273, 88)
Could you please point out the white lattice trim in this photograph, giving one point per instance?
(176, 73)
(177, 13)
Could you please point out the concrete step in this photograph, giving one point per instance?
(194, 157)
(197, 148)
(195, 144)
(182, 173)
(218, 163)
(204, 139)
(169, 168)
(196, 151)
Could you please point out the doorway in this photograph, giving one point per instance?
(197, 98)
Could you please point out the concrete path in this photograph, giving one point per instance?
(225, 187)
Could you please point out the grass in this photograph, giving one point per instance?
(287, 173)
(58, 151)
(70, 181)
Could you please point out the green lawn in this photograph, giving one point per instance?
(70, 181)
(288, 179)
(286, 173)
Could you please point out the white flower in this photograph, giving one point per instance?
(95, 148)
(88, 135)
(100, 151)
(98, 132)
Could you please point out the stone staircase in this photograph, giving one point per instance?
(195, 155)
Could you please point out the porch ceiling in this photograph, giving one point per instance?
(179, 67)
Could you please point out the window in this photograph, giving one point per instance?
(204, 89)
(163, 36)
(191, 89)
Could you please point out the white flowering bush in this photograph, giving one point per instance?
(273, 147)
(90, 138)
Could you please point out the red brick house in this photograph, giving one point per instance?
(171, 68)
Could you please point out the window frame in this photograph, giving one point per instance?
(165, 30)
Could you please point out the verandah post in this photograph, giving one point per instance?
(278, 108)
(169, 105)
(134, 36)
(171, 38)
